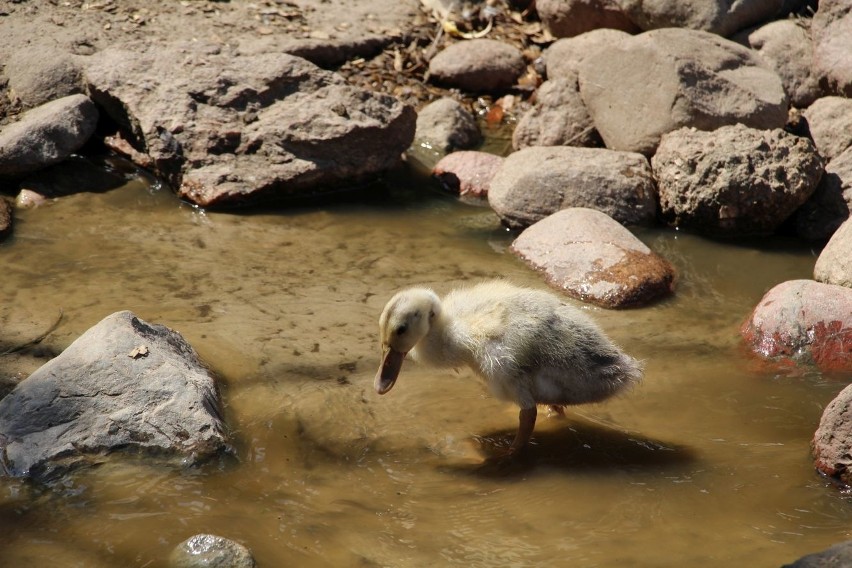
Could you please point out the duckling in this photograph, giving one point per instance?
(526, 345)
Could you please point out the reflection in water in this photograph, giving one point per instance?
(705, 463)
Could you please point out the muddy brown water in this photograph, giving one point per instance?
(706, 463)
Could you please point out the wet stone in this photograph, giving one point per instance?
(467, 173)
(210, 551)
(832, 443)
(595, 259)
(836, 556)
(803, 321)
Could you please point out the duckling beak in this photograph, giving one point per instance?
(389, 371)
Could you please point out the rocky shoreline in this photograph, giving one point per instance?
(727, 124)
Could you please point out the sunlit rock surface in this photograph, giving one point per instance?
(124, 384)
(803, 321)
(594, 259)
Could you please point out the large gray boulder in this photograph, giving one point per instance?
(832, 36)
(593, 258)
(803, 321)
(537, 181)
(644, 86)
(46, 135)
(569, 18)
(786, 46)
(226, 129)
(558, 118)
(834, 264)
(210, 551)
(734, 181)
(122, 385)
(721, 17)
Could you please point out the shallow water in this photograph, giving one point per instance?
(706, 463)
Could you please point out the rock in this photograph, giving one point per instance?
(734, 181)
(29, 199)
(658, 81)
(469, 173)
(786, 46)
(210, 551)
(594, 259)
(721, 17)
(834, 557)
(226, 129)
(803, 321)
(46, 135)
(830, 204)
(830, 125)
(832, 37)
(39, 74)
(558, 118)
(445, 125)
(834, 264)
(73, 175)
(832, 444)
(569, 18)
(562, 59)
(538, 181)
(478, 65)
(124, 384)
(5, 218)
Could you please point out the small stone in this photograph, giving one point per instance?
(834, 264)
(210, 551)
(468, 173)
(478, 65)
(445, 125)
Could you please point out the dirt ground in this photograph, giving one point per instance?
(380, 45)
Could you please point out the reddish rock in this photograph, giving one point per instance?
(467, 173)
(803, 320)
(832, 444)
(595, 259)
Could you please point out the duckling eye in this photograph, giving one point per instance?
(401, 329)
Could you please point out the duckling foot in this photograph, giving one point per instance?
(526, 424)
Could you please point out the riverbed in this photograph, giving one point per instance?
(705, 463)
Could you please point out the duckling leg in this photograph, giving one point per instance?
(526, 420)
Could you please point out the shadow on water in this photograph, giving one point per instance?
(578, 447)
